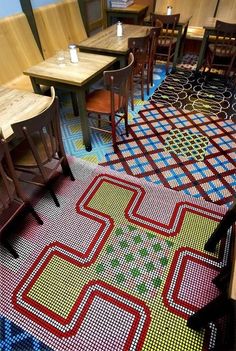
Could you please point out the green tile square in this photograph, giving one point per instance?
(137, 239)
(164, 261)
(109, 249)
(115, 262)
(120, 278)
(143, 252)
(124, 244)
(100, 268)
(150, 267)
(157, 247)
(129, 257)
(151, 235)
(135, 272)
(142, 289)
(156, 282)
(119, 231)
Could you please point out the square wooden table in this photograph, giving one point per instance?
(75, 77)
(106, 42)
(135, 12)
(18, 105)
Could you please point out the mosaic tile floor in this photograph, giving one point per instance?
(204, 94)
(101, 142)
(103, 277)
(183, 151)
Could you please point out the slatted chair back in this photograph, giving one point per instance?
(153, 39)
(118, 83)
(42, 133)
(140, 48)
(169, 26)
(221, 53)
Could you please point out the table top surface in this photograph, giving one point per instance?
(134, 8)
(107, 40)
(19, 105)
(76, 74)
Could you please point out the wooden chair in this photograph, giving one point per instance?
(41, 151)
(12, 199)
(167, 40)
(112, 101)
(222, 52)
(140, 49)
(225, 304)
(153, 44)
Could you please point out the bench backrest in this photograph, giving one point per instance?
(59, 25)
(18, 47)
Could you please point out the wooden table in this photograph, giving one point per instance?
(135, 12)
(181, 28)
(73, 77)
(107, 42)
(19, 105)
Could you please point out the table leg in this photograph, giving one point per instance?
(36, 87)
(182, 43)
(202, 50)
(177, 48)
(84, 119)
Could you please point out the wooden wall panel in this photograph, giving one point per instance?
(59, 25)
(202, 11)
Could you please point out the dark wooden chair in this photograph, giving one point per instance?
(12, 199)
(167, 40)
(221, 53)
(110, 105)
(225, 304)
(140, 48)
(41, 151)
(153, 44)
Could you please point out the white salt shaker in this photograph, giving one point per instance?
(169, 10)
(73, 53)
(119, 29)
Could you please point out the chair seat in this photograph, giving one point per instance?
(166, 41)
(223, 50)
(99, 101)
(23, 156)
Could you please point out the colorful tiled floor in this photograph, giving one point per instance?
(183, 151)
(118, 266)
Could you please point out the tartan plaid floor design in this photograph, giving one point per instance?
(207, 94)
(143, 153)
(99, 277)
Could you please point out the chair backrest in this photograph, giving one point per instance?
(9, 185)
(118, 82)
(140, 49)
(42, 130)
(59, 25)
(169, 24)
(153, 39)
(225, 42)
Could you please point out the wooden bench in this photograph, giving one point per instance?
(59, 25)
(18, 51)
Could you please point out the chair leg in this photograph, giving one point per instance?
(209, 313)
(66, 170)
(132, 94)
(9, 248)
(53, 195)
(34, 213)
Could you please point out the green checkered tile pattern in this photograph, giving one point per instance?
(135, 259)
